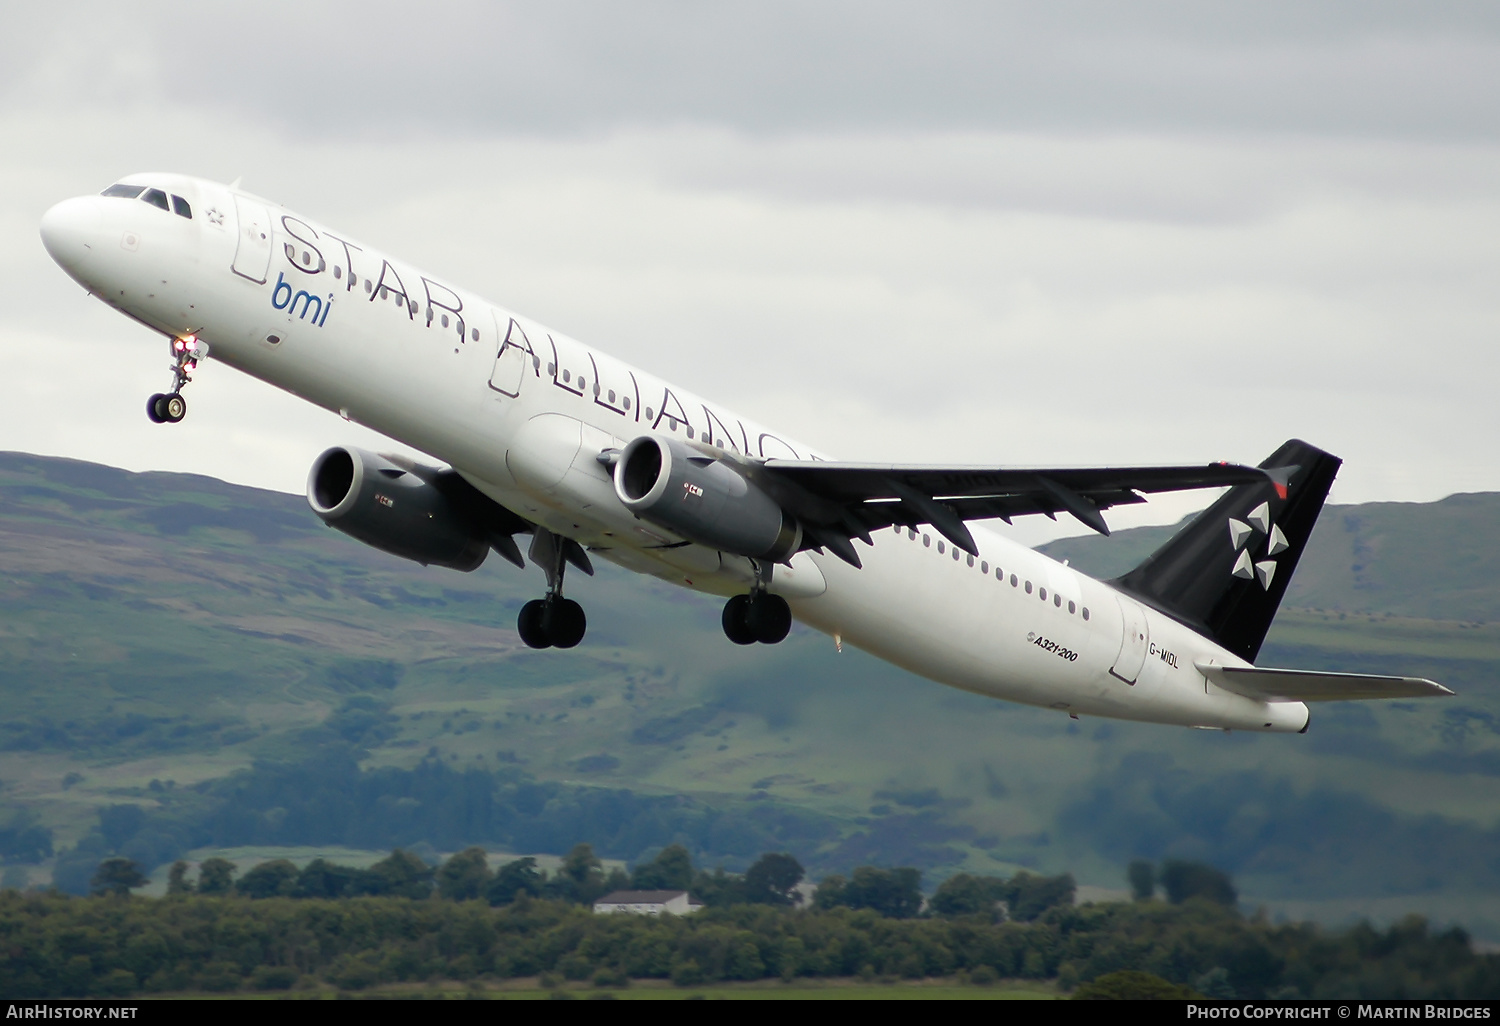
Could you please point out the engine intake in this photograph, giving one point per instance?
(702, 499)
(395, 507)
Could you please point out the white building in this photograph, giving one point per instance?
(649, 903)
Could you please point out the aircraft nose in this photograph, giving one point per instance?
(70, 231)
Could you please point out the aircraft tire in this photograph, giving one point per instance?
(530, 624)
(173, 408)
(152, 411)
(737, 621)
(567, 624)
(770, 619)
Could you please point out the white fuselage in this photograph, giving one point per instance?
(522, 412)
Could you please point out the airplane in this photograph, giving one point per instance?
(539, 435)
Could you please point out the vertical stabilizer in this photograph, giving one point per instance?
(1225, 572)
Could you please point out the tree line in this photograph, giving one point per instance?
(402, 921)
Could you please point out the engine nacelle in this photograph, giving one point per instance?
(696, 496)
(395, 508)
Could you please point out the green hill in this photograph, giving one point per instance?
(187, 664)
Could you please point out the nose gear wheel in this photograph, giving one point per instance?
(171, 407)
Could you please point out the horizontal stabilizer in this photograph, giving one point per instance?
(1270, 685)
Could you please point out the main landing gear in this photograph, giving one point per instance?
(758, 616)
(554, 621)
(171, 407)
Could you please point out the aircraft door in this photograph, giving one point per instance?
(252, 254)
(512, 361)
(1135, 638)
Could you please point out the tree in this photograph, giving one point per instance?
(895, 893)
(965, 895)
(1185, 880)
(276, 878)
(401, 875)
(116, 876)
(671, 870)
(773, 879)
(177, 881)
(1029, 895)
(465, 875)
(1142, 876)
(1131, 985)
(323, 879)
(580, 879)
(513, 879)
(215, 876)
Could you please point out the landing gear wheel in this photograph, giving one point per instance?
(173, 408)
(737, 621)
(152, 411)
(530, 624)
(770, 619)
(566, 623)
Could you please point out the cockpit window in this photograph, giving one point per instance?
(156, 198)
(180, 208)
(123, 191)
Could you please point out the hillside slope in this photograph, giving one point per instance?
(160, 633)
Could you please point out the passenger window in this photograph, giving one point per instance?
(156, 198)
(611, 395)
(445, 320)
(984, 568)
(1014, 582)
(940, 548)
(1043, 592)
(567, 375)
(926, 541)
(626, 402)
(123, 191)
(672, 423)
(955, 554)
(367, 285)
(971, 560)
(180, 208)
(1028, 587)
(596, 392)
(1072, 607)
(1085, 612)
(474, 334)
(582, 384)
(911, 533)
(338, 272)
(1057, 600)
(552, 370)
(648, 413)
(690, 431)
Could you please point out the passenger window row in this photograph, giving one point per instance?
(984, 568)
(155, 197)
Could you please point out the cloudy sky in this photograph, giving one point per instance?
(1072, 233)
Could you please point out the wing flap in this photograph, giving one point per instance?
(1267, 684)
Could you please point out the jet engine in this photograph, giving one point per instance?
(398, 507)
(698, 497)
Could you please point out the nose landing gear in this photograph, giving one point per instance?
(758, 616)
(554, 621)
(171, 407)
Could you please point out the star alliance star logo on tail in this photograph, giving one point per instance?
(1242, 534)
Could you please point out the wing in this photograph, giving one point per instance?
(836, 502)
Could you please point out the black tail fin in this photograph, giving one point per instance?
(1225, 572)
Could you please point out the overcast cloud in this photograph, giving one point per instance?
(983, 232)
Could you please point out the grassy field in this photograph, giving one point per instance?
(160, 631)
